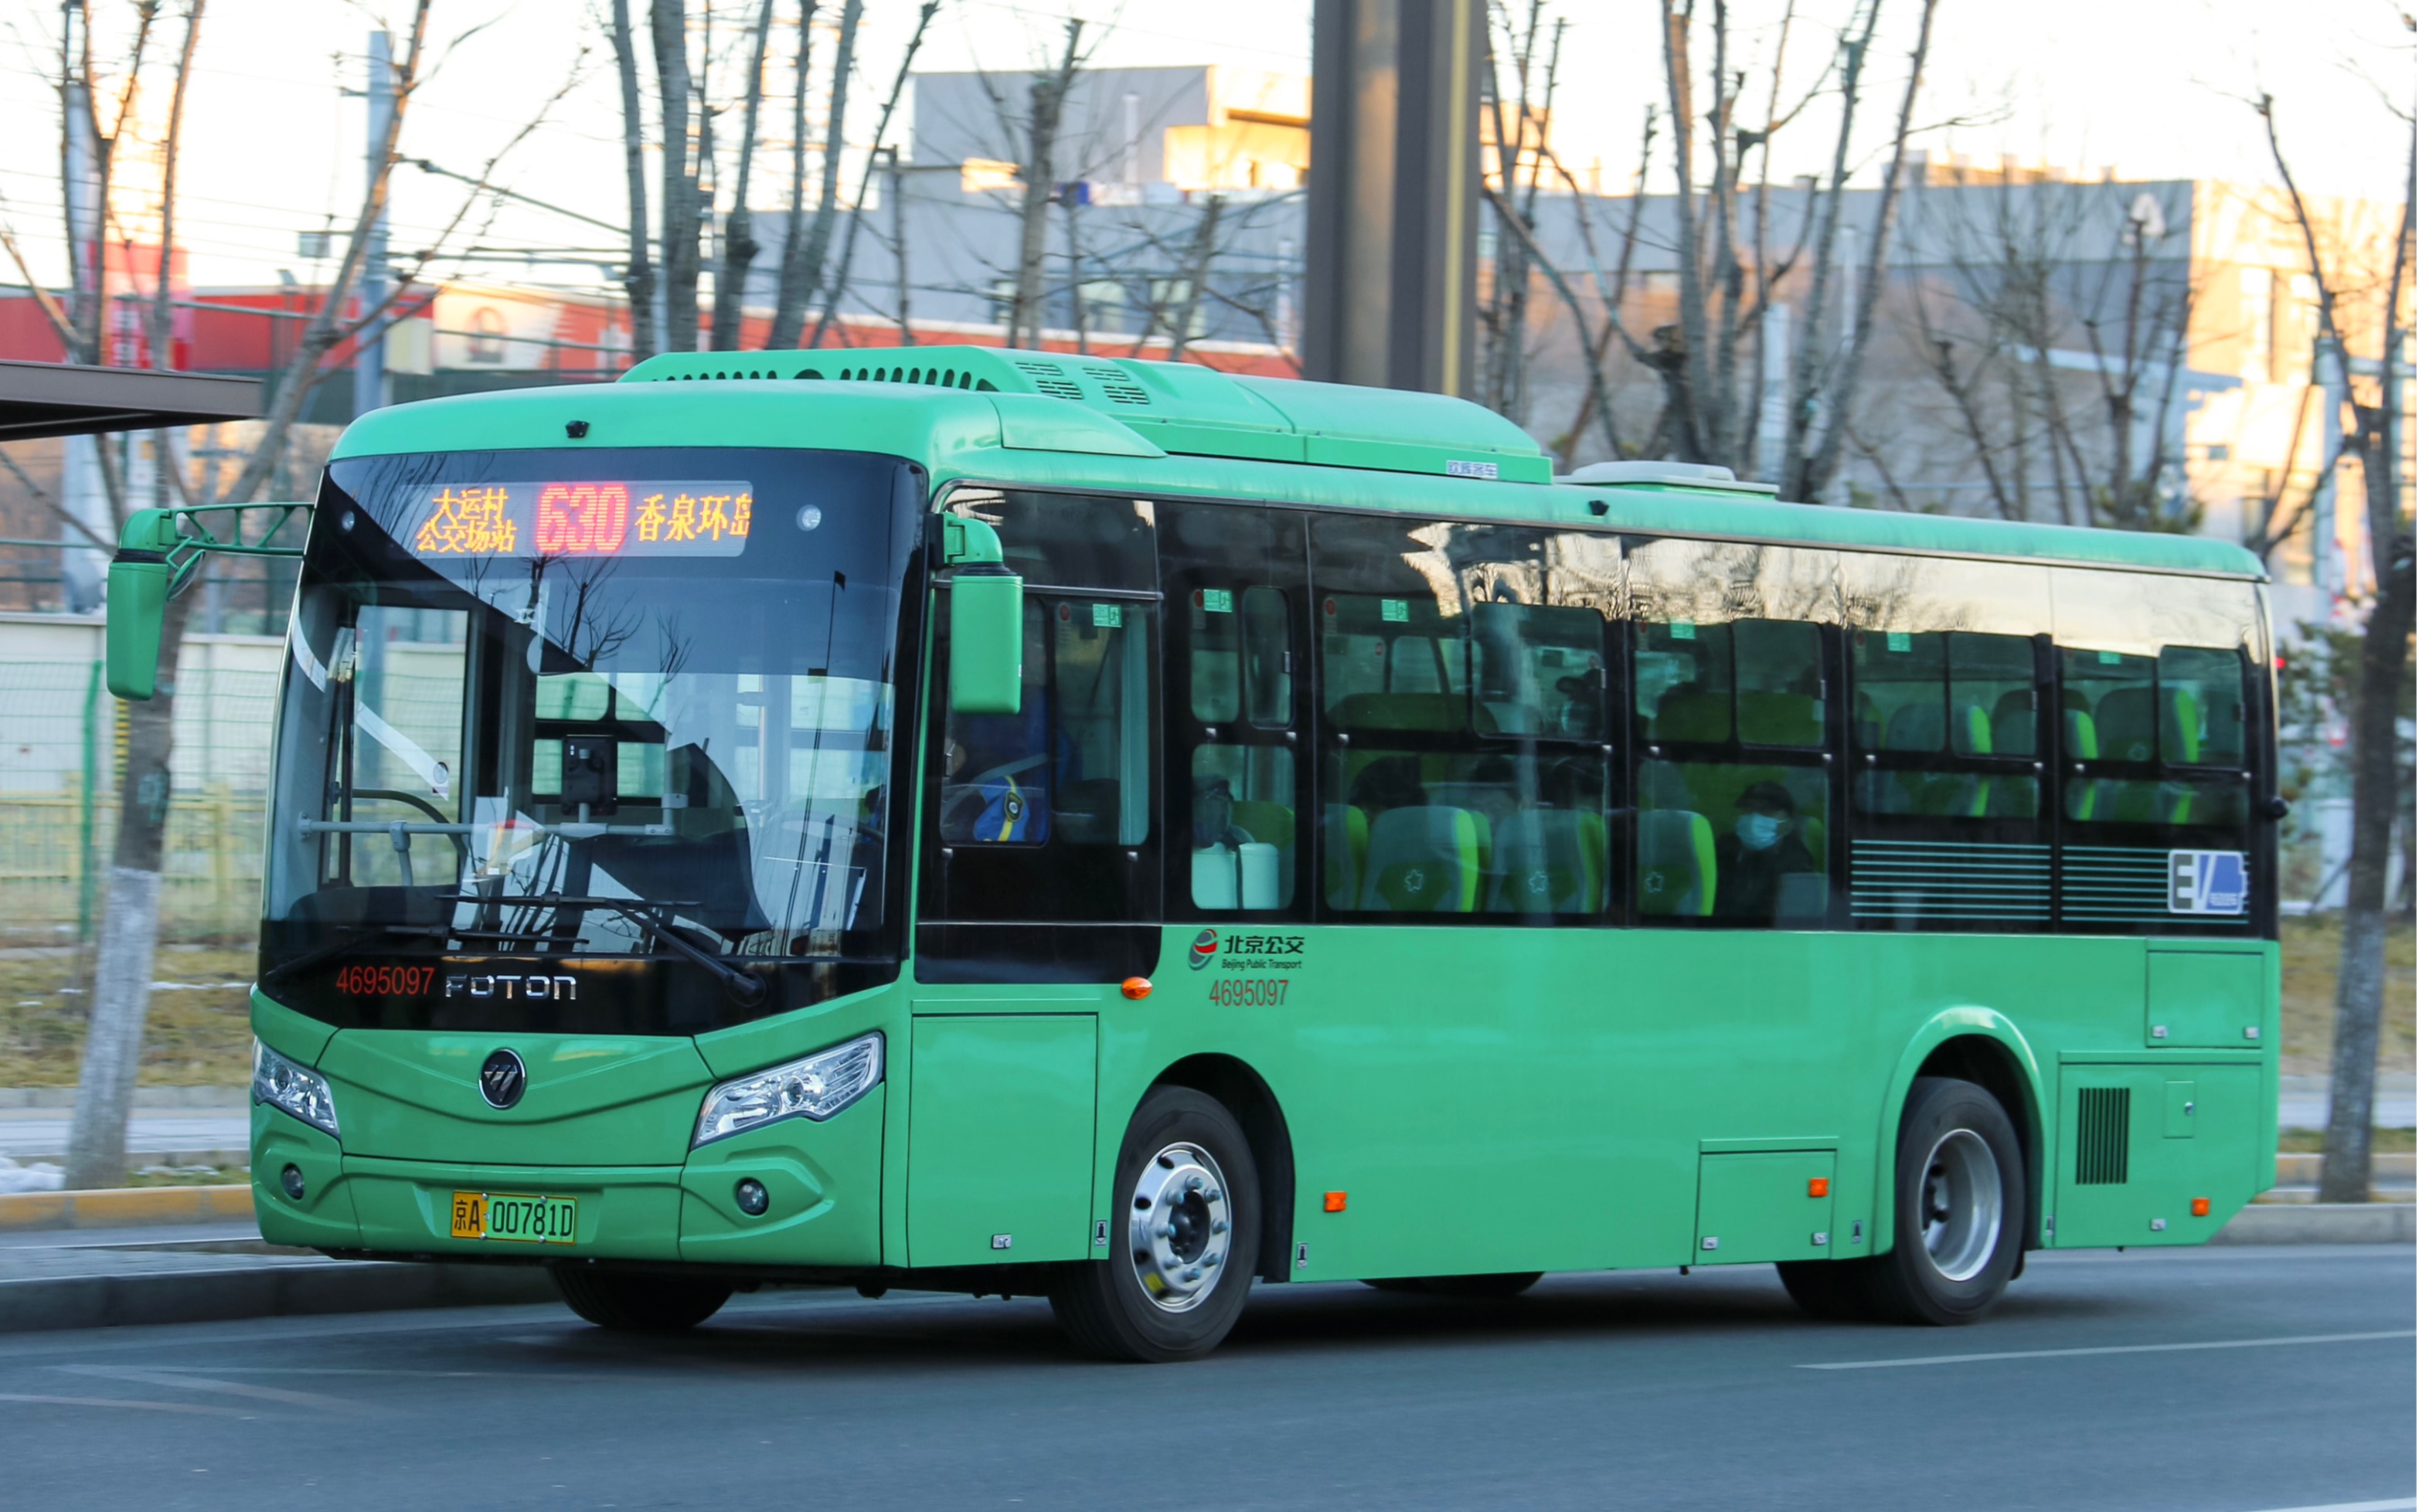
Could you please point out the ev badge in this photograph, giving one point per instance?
(502, 1079)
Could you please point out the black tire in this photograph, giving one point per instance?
(1832, 1290)
(1497, 1284)
(1106, 1306)
(1954, 1140)
(633, 1302)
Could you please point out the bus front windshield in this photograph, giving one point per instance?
(619, 702)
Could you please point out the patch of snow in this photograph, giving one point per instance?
(39, 1177)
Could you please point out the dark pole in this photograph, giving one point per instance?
(1391, 273)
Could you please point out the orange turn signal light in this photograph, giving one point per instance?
(1335, 1201)
(1135, 987)
(1819, 1187)
(2201, 1207)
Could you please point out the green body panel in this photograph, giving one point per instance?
(1000, 1137)
(2190, 1132)
(824, 1181)
(2204, 997)
(324, 1217)
(1490, 1099)
(591, 1099)
(1761, 1206)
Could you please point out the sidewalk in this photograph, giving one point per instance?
(200, 1272)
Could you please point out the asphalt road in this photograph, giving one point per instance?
(2215, 1381)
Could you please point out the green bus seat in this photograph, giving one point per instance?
(1422, 861)
(1548, 861)
(1675, 864)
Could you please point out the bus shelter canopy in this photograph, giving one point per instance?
(42, 399)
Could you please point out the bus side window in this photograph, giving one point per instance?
(1232, 576)
(1733, 799)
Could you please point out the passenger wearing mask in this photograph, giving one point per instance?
(1761, 847)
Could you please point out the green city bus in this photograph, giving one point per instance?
(1033, 824)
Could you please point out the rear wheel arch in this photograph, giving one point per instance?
(1983, 1047)
(1246, 1094)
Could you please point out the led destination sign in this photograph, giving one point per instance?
(585, 519)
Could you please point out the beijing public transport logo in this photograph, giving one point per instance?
(2208, 881)
(1204, 951)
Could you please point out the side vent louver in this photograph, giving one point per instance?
(1051, 379)
(2103, 1130)
(931, 377)
(1116, 382)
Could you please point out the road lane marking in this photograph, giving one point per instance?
(2117, 1349)
(188, 1380)
(190, 1408)
(2392, 1504)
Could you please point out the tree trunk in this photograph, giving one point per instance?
(739, 247)
(790, 295)
(1196, 278)
(638, 278)
(898, 187)
(1048, 100)
(2376, 804)
(789, 316)
(130, 929)
(670, 19)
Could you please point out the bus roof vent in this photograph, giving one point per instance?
(1184, 407)
(1050, 378)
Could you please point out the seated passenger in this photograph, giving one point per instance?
(1388, 783)
(1214, 816)
(1761, 847)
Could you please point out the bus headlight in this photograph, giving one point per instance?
(292, 1089)
(816, 1087)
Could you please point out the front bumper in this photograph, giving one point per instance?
(824, 1180)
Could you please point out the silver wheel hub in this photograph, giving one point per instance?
(1180, 1228)
(1963, 1205)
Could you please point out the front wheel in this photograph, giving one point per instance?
(1959, 1233)
(1181, 1265)
(637, 1303)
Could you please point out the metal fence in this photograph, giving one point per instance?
(61, 754)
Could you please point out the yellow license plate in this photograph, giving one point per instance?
(515, 1216)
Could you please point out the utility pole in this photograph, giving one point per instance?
(1390, 284)
(369, 359)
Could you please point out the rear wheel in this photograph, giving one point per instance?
(639, 1302)
(1181, 1269)
(1958, 1233)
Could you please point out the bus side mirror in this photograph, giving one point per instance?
(986, 644)
(986, 621)
(140, 583)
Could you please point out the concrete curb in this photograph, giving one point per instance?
(124, 1208)
(262, 1291)
(2320, 1223)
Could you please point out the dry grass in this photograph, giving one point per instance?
(2312, 948)
(198, 1036)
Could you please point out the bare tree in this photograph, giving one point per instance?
(638, 276)
(873, 154)
(739, 247)
(803, 274)
(1046, 100)
(669, 21)
(1809, 459)
(2382, 675)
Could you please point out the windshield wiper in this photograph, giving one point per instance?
(346, 944)
(651, 917)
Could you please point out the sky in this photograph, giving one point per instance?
(2150, 87)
